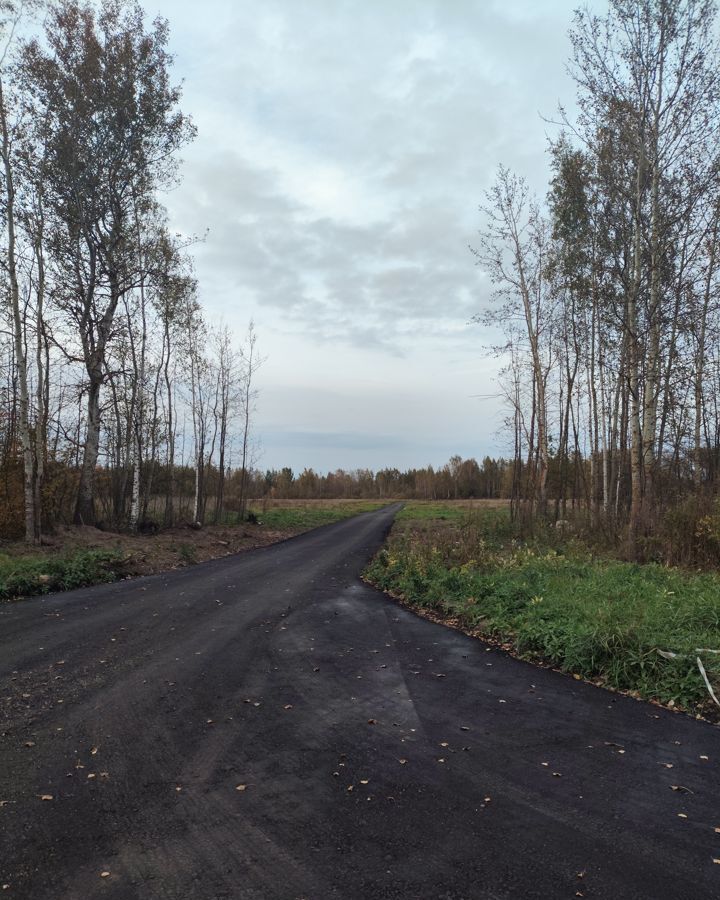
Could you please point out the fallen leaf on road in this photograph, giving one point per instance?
(717, 862)
(351, 787)
(241, 787)
(29, 743)
(372, 721)
(46, 796)
(444, 744)
(682, 816)
(557, 774)
(681, 788)
(704, 757)
(91, 775)
(93, 751)
(364, 781)
(441, 760)
(104, 874)
(288, 706)
(545, 764)
(402, 761)
(464, 728)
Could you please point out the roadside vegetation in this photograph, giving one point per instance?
(78, 557)
(40, 574)
(553, 600)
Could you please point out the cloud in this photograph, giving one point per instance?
(344, 148)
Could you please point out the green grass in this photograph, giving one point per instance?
(600, 618)
(22, 576)
(311, 516)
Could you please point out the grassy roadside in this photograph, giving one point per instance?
(600, 619)
(40, 573)
(85, 556)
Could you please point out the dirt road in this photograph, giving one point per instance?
(266, 726)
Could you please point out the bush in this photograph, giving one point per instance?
(23, 576)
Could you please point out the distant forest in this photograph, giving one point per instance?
(459, 479)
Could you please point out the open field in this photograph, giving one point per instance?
(77, 557)
(597, 618)
(304, 514)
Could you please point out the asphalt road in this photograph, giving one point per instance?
(378, 755)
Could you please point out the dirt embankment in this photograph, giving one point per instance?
(149, 554)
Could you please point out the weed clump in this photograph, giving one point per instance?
(24, 576)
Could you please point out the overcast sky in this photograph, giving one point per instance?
(343, 149)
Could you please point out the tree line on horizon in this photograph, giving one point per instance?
(110, 375)
(608, 292)
(458, 479)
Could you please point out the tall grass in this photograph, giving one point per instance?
(599, 618)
